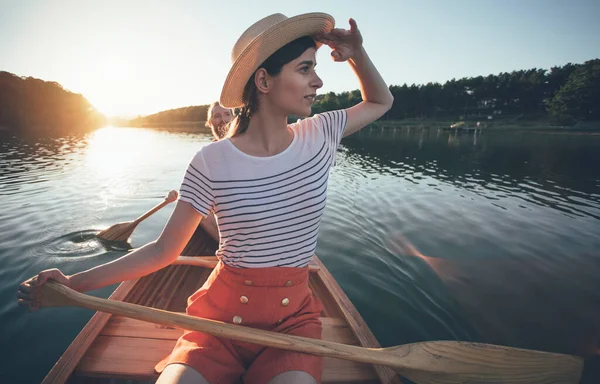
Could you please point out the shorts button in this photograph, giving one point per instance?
(285, 302)
(288, 283)
(248, 282)
(237, 319)
(243, 299)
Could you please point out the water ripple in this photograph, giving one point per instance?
(495, 211)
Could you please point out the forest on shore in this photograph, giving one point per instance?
(31, 105)
(565, 94)
(562, 95)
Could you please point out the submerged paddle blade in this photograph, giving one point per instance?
(449, 362)
(118, 232)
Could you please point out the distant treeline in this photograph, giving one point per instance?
(567, 93)
(178, 115)
(32, 105)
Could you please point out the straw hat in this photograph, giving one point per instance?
(260, 41)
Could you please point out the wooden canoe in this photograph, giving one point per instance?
(113, 349)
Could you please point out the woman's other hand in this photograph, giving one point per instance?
(28, 294)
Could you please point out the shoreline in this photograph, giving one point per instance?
(487, 125)
(181, 126)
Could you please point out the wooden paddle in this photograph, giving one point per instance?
(437, 362)
(122, 231)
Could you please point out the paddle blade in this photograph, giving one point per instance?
(118, 232)
(449, 362)
(438, 362)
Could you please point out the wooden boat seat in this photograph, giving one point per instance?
(129, 349)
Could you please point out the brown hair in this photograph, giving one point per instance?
(273, 66)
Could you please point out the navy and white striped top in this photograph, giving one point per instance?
(268, 209)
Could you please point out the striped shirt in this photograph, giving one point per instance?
(268, 209)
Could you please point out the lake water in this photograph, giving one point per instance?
(511, 218)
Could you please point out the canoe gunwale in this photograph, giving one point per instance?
(67, 364)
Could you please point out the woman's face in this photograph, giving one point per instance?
(295, 87)
(219, 117)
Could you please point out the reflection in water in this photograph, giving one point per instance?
(523, 276)
(56, 194)
(25, 163)
(553, 170)
(510, 218)
(524, 303)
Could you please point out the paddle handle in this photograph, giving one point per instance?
(54, 294)
(429, 362)
(151, 212)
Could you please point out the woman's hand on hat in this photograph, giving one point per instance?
(343, 42)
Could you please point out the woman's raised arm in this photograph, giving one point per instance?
(377, 98)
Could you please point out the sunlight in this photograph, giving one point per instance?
(111, 78)
(112, 150)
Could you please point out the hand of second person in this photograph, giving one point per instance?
(171, 196)
(28, 294)
(344, 43)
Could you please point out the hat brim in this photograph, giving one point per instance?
(266, 44)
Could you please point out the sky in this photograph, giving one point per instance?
(135, 57)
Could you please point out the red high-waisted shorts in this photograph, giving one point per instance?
(275, 299)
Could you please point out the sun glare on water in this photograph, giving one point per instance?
(112, 150)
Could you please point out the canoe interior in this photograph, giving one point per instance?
(115, 349)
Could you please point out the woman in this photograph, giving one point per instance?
(266, 184)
